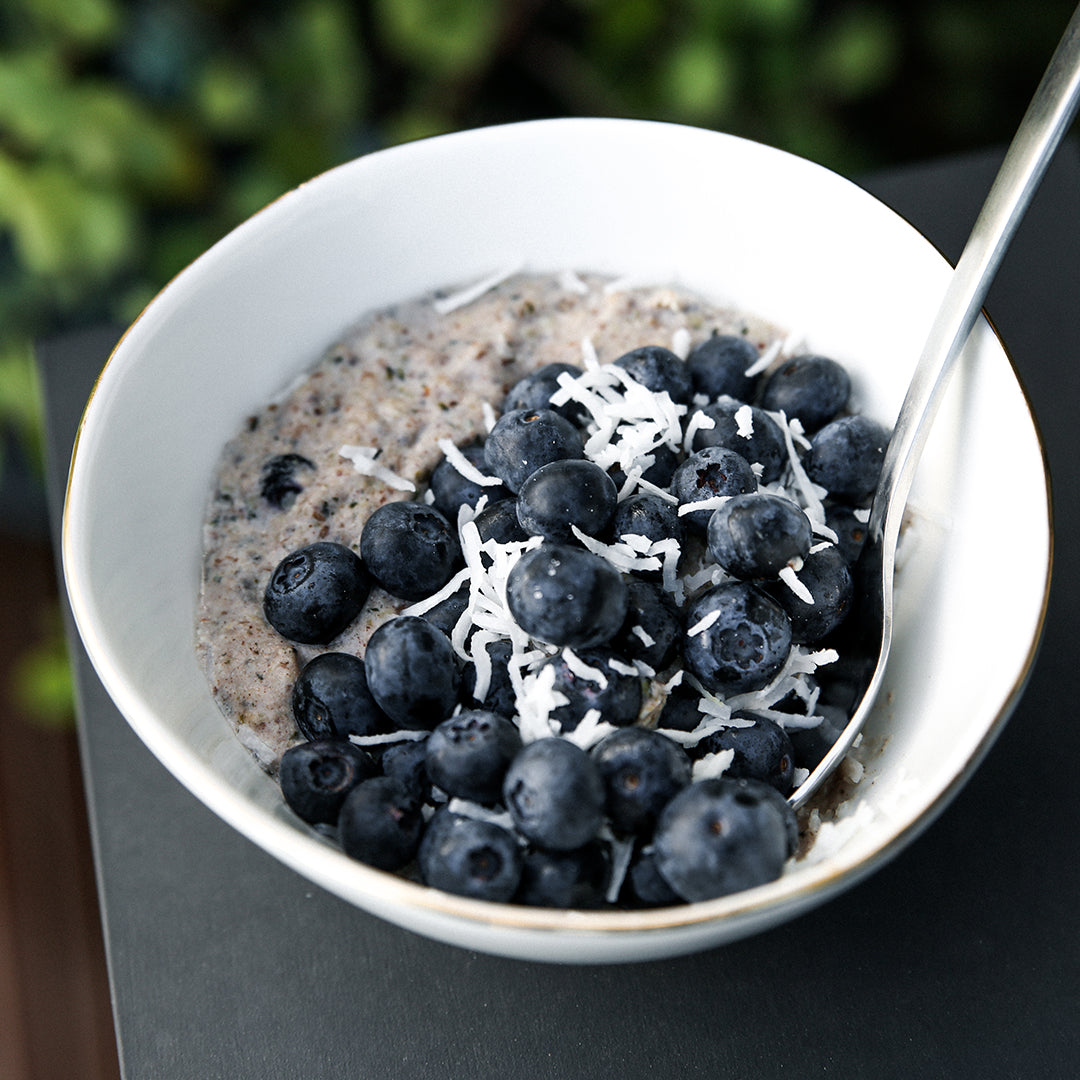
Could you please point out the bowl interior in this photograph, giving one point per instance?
(732, 219)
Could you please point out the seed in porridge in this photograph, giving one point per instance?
(317, 776)
(523, 440)
(412, 672)
(330, 698)
(564, 495)
(659, 370)
(737, 638)
(757, 535)
(704, 477)
(410, 549)
(813, 389)
(315, 592)
(721, 836)
(718, 367)
(567, 596)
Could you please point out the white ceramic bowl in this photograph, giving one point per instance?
(733, 219)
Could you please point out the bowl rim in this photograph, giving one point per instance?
(294, 844)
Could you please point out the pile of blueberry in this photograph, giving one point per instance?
(756, 501)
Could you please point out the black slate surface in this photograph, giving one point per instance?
(961, 958)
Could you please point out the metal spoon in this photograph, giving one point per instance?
(1044, 125)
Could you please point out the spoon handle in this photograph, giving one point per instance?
(1044, 124)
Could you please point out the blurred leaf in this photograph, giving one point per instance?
(84, 21)
(20, 395)
(859, 53)
(441, 37)
(42, 684)
(62, 226)
(699, 79)
(229, 96)
(415, 123)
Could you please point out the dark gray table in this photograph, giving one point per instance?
(959, 959)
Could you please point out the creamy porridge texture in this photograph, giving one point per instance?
(405, 379)
(743, 602)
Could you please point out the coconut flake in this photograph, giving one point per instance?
(363, 461)
(469, 293)
(703, 624)
(680, 343)
(744, 420)
(711, 765)
(464, 466)
(788, 577)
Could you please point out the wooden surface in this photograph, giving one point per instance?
(55, 1016)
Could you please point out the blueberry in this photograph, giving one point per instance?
(721, 836)
(813, 388)
(451, 490)
(330, 698)
(315, 592)
(589, 681)
(412, 672)
(555, 795)
(756, 536)
(813, 743)
(708, 473)
(564, 879)
(316, 777)
(645, 886)
(470, 857)
(846, 456)
(745, 642)
(762, 444)
(718, 367)
(850, 529)
(534, 392)
(279, 486)
(381, 824)
(762, 751)
(564, 494)
(524, 439)
(648, 515)
(445, 614)
(642, 772)
(405, 762)
(499, 522)
(665, 462)
(410, 549)
(501, 697)
(652, 628)
(566, 596)
(659, 370)
(682, 709)
(468, 755)
(826, 575)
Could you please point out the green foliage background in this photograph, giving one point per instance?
(135, 133)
